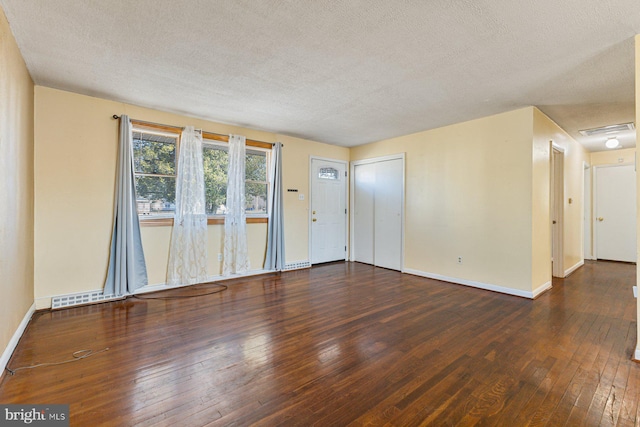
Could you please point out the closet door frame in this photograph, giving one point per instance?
(353, 164)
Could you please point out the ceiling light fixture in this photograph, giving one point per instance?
(612, 143)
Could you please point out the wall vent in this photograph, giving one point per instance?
(297, 265)
(608, 130)
(70, 300)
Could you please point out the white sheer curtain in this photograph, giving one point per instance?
(127, 270)
(274, 259)
(236, 256)
(188, 250)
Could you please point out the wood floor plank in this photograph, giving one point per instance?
(343, 344)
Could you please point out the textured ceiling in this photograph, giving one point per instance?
(343, 72)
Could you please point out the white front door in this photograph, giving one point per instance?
(615, 213)
(328, 211)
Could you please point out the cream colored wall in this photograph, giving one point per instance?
(156, 240)
(613, 157)
(637, 41)
(16, 186)
(469, 194)
(545, 131)
(296, 157)
(76, 148)
(541, 202)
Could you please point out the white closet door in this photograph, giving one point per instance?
(377, 212)
(363, 223)
(388, 215)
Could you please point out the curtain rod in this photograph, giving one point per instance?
(256, 142)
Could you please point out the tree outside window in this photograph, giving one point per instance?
(154, 159)
(155, 155)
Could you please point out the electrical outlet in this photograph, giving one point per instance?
(219, 257)
(300, 196)
(459, 260)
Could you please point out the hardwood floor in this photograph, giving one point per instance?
(344, 344)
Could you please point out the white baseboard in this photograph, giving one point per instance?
(636, 357)
(574, 268)
(541, 289)
(13, 342)
(474, 284)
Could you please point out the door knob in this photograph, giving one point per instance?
(314, 220)
(600, 219)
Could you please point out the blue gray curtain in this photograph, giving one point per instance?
(127, 268)
(275, 231)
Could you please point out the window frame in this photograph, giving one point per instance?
(211, 139)
(160, 218)
(218, 143)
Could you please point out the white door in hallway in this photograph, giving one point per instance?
(328, 210)
(615, 213)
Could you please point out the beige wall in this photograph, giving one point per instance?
(613, 157)
(16, 186)
(575, 156)
(296, 157)
(481, 190)
(76, 148)
(637, 353)
(469, 194)
(540, 202)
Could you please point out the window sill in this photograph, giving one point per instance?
(164, 222)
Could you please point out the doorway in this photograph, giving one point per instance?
(557, 211)
(328, 241)
(378, 211)
(615, 213)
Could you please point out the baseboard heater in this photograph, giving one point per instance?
(83, 298)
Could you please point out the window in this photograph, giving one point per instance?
(154, 159)
(155, 156)
(216, 165)
(328, 173)
(256, 183)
